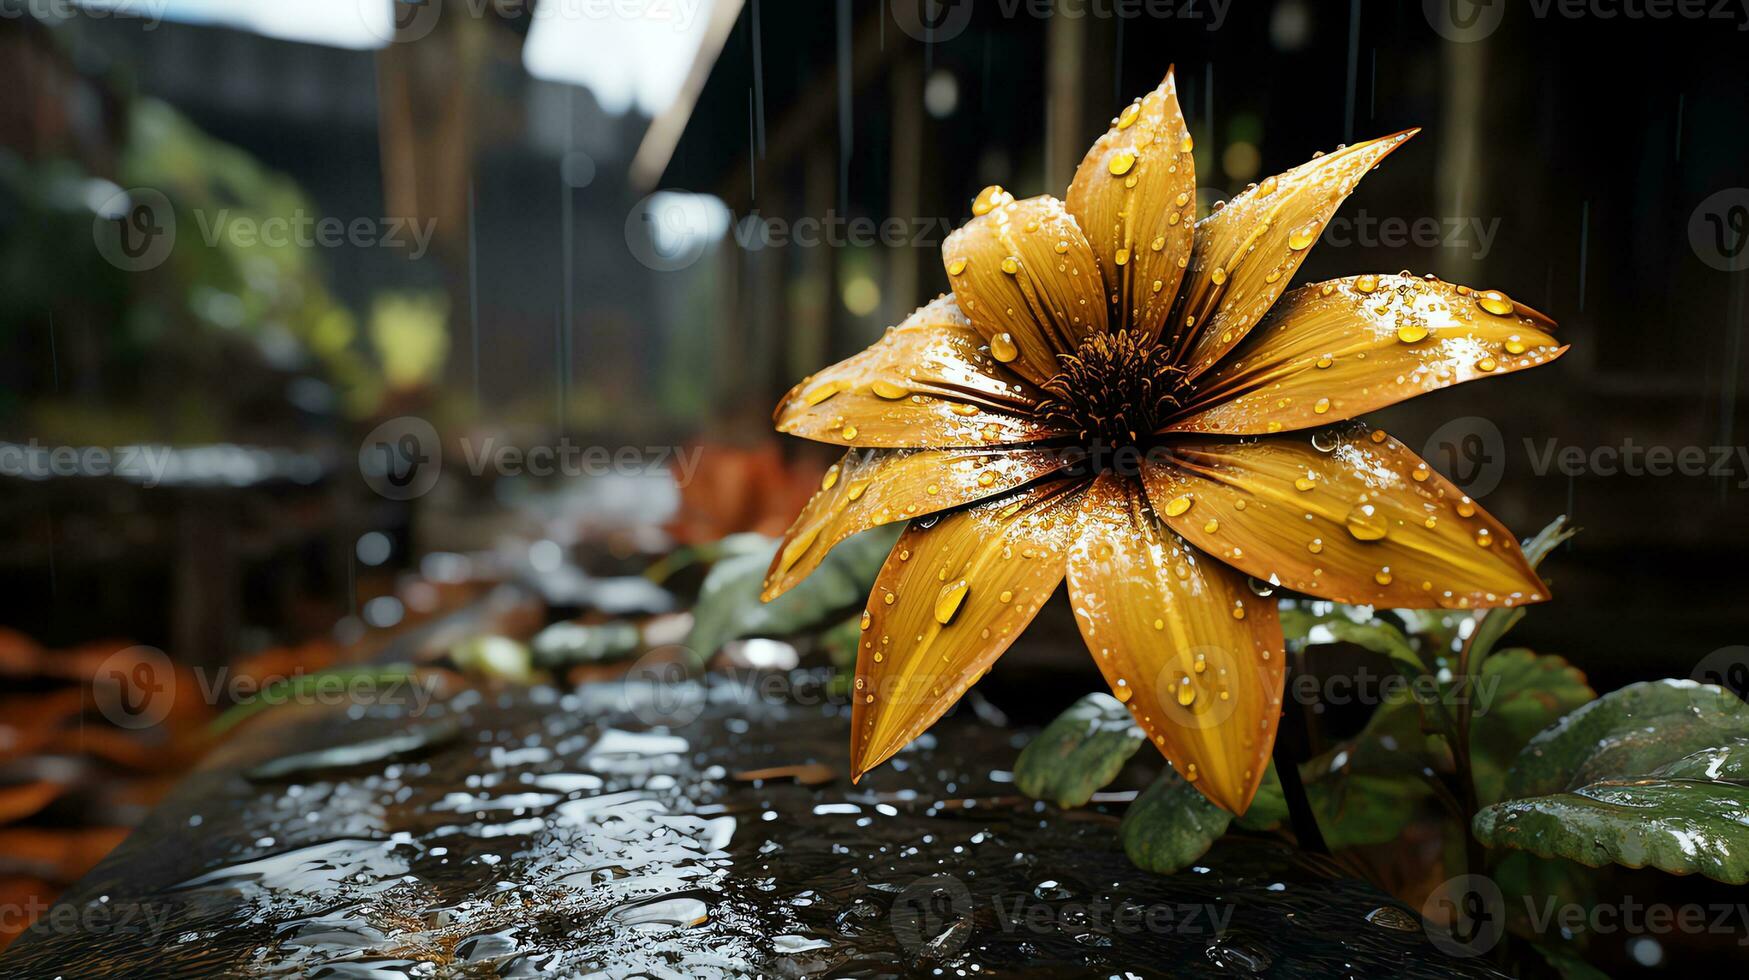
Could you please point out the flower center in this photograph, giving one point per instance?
(1116, 388)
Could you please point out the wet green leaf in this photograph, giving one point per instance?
(1518, 694)
(1170, 825)
(1364, 809)
(1322, 622)
(1079, 752)
(1633, 730)
(1656, 774)
(729, 607)
(307, 687)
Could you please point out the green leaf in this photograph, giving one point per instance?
(1326, 622)
(1363, 809)
(1170, 825)
(1269, 807)
(1633, 730)
(729, 607)
(1656, 774)
(306, 687)
(1518, 694)
(1079, 752)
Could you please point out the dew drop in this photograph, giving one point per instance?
(948, 602)
(1003, 349)
(1365, 523)
(1495, 302)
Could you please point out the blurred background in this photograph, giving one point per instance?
(327, 322)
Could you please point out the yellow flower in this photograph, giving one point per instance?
(1109, 396)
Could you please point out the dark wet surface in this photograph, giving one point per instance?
(560, 834)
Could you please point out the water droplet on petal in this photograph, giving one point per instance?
(948, 602)
(1495, 302)
(1365, 523)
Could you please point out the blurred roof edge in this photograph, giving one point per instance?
(663, 134)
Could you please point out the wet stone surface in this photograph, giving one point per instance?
(558, 833)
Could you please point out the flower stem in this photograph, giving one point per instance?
(1292, 748)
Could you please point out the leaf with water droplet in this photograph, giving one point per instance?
(1171, 825)
(1078, 753)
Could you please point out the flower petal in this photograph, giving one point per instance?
(1026, 276)
(1135, 198)
(1181, 640)
(1347, 514)
(871, 487)
(952, 596)
(929, 382)
(1247, 252)
(1337, 349)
